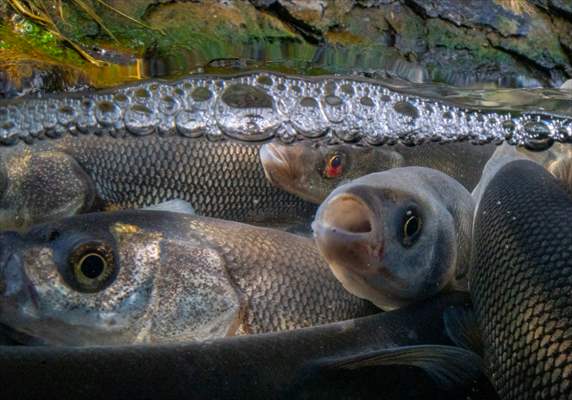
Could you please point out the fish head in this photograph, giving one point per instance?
(395, 237)
(312, 170)
(38, 186)
(77, 282)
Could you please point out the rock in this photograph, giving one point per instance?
(525, 43)
(33, 78)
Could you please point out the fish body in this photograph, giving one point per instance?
(521, 280)
(282, 365)
(59, 178)
(313, 170)
(155, 276)
(397, 236)
(556, 159)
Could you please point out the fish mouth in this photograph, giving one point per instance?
(345, 232)
(347, 213)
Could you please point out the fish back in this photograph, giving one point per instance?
(521, 282)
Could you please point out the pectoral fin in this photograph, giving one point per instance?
(446, 365)
(461, 326)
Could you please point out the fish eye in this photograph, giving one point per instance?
(92, 267)
(334, 166)
(411, 227)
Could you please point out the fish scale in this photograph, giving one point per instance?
(220, 179)
(254, 270)
(521, 282)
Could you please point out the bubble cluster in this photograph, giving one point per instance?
(262, 106)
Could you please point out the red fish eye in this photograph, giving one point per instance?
(336, 161)
(334, 167)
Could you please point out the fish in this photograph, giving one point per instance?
(54, 179)
(519, 284)
(556, 158)
(521, 281)
(262, 106)
(397, 236)
(147, 276)
(301, 363)
(312, 170)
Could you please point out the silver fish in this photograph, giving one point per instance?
(60, 178)
(397, 236)
(312, 170)
(143, 276)
(299, 364)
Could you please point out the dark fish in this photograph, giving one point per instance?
(305, 363)
(397, 236)
(521, 282)
(313, 170)
(155, 276)
(59, 178)
(557, 160)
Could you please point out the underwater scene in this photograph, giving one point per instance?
(322, 199)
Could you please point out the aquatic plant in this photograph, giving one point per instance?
(50, 15)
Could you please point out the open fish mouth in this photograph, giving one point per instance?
(347, 213)
(344, 230)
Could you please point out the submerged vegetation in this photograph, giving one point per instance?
(51, 15)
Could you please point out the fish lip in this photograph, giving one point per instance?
(345, 203)
(328, 232)
(337, 237)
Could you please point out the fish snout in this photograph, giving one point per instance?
(277, 167)
(346, 233)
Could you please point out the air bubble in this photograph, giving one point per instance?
(169, 105)
(201, 94)
(407, 109)
(261, 105)
(140, 120)
(49, 118)
(245, 96)
(366, 101)
(296, 89)
(538, 136)
(142, 94)
(264, 80)
(246, 112)
(347, 89)
(335, 109)
(191, 123)
(365, 112)
(307, 118)
(6, 128)
(66, 115)
(107, 113)
(121, 98)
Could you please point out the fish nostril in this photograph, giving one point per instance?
(347, 213)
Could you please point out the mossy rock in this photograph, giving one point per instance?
(507, 43)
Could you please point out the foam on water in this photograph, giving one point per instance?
(261, 106)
